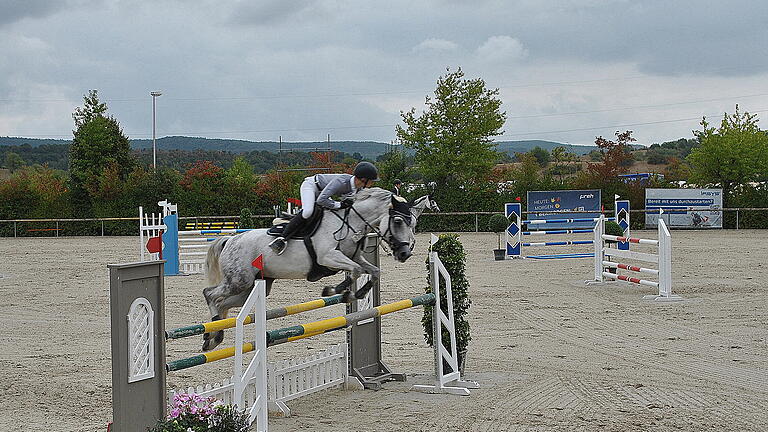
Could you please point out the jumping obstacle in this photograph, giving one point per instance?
(515, 233)
(183, 250)
(138, 345)
(290, 334)
(663, 260)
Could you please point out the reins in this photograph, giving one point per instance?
(345, 222)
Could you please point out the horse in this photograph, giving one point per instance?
(337, 244)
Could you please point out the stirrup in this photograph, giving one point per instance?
(278, 245)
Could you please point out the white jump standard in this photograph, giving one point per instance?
(663, 260)
(183, 250)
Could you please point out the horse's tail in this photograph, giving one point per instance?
(212, 268)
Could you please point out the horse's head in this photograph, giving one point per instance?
(398, 227)
(423, 203)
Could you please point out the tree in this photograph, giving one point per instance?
(734, 154)
(615, 155)
(541, 155)
(453, 136)
(563, 162)
(604, 175)
(98, 144)
(658, 155)
(677, 170)
(91, 109)
(392, 166)
(204, 184)
(13, 161)
(527, 177)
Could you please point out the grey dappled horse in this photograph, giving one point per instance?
(337, 242)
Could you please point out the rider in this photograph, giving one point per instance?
(397, 185)
(318, 189)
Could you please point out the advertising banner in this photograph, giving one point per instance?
(685, 208)
(574, 203)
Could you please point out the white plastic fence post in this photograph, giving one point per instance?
(256, 371)
(450, 383)
(665, 266)
(141, 233)
(599, 248)
(665, 261)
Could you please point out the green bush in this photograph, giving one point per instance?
(612, 228)
(246, 219)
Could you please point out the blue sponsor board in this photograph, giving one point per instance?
(684, 208)
(564, 204)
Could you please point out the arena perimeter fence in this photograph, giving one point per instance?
(733, 218)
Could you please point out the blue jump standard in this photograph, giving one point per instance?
(560, 256)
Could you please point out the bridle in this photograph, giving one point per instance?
(391, 241)
(394, 215)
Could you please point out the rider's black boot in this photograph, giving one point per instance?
(279, 244)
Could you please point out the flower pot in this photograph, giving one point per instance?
(499, 254)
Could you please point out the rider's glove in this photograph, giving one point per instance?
(347, 203)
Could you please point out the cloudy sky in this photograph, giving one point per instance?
(567, 70)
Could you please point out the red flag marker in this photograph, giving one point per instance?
(259, 264)
(517, 199)
(155, 245)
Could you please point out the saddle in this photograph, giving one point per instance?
(305, 233)
(307, 230)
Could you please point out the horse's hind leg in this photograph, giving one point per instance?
(220, 309)
(219, 306)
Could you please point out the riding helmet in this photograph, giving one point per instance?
(366, 170)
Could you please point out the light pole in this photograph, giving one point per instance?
(154, 95)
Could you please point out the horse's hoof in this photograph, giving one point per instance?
(329, 291)
(343, 286)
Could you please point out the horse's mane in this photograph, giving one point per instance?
(374, 193)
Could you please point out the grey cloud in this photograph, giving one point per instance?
(268, 12)
(14, 10)
(272, 69)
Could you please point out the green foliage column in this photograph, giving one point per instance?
(451, 253)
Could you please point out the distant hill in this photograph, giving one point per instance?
(368, 149)
(512, 147)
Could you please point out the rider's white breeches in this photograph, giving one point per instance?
(308, 193)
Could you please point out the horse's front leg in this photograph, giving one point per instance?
(367, 267)
(337, 260)
(370, 269)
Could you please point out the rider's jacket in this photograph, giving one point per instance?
(333, 185)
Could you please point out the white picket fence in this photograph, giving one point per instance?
(286, 380)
